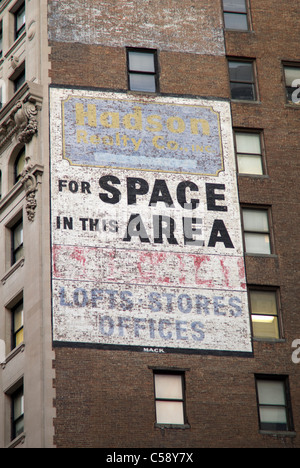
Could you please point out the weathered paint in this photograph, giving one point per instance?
(145, 258)
(197, 26)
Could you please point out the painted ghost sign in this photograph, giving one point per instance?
(146, 233)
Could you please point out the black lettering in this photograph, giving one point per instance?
(161, 193)
(104, 184)
(136, 186)
(211, 197)
(219, 233)
(136, 228)
(61, 184)
(85, 187)
(181, 195)
(167, 230)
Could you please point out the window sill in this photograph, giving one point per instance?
(254, 176)
(290, 105)
(245, 101)
(172, 426)
(17, 441)
(269, 340)
(12, 354)
(16, 266)
(279, 433)
(248, 254)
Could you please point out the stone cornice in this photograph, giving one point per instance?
(19, 117)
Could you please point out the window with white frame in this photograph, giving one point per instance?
(257, 231)
(249, 152)
(169, 398)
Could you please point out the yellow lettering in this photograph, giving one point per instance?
(95, 139)
(157, 126)
(82, 136)
(90, 114)
(110, 119)
(108, 140)
(204, 125)
(133, 121)
(154, 141)
(180, 125)
(172, 145)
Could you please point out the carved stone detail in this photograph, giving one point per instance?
(29, 182)
(22, 120)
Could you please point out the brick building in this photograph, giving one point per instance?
(149, 224)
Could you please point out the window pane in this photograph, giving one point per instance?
(263, 302)
(140, 82)
(168, 386)
(265, 326)
(257, 243)
(236, 21)
(18, 318)
(271, 392)
(18, 236)
(241, 71)
(19, 165)
(18, 405)
(243, 91)
(249, 164)
(169, 412)
(20, 18)
(235, 5)
(274, 417)
(19, 426)
(291, 74)
(255, 220)
(248, 143)
(143, 62)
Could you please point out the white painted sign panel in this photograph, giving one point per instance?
(147, 250)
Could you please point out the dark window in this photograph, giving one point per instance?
(19, 165)
(17, 399)
(273, 403)
(235, 14)
(242, 80)
(17, 325)
(19, 80)
(20, 21)
(17, 248)
(142, 70)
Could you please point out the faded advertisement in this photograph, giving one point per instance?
(147, 251)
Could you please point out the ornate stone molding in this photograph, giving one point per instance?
(29, 180)
(19, 117)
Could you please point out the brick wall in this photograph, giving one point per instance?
(105, 398)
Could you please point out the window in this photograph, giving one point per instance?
(17, 325)
(1, 40)
(249, 153)
(273, 403)
(256, 231)
(19, 165)
(264, 313)
(17, 400)
(19, 78)
(169, 398)
(20, 21)
(242, 82)
(292, 83)
(142, 70)
(235, 14)
(17, 248)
